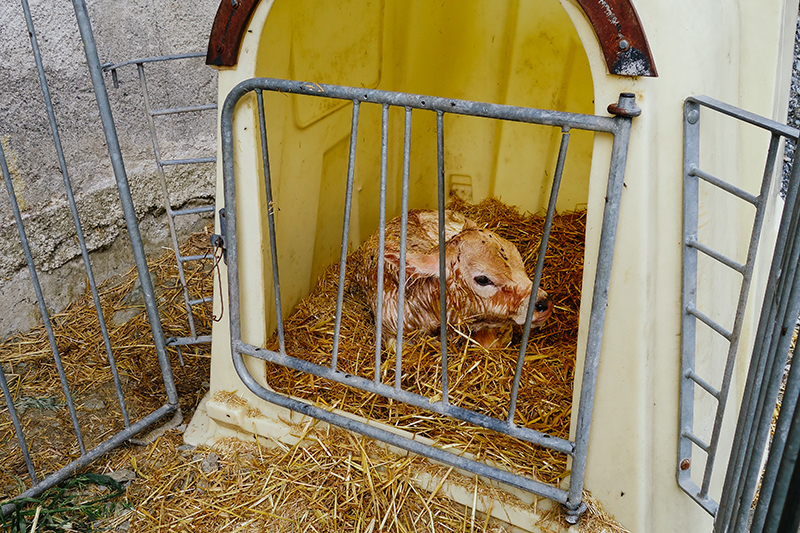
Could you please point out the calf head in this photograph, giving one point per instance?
(487, 287)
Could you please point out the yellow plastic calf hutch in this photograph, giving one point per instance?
(568, 58)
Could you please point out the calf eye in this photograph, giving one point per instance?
(483, 281)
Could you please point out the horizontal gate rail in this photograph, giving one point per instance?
(618, 126)
(739, 486)
(442, 408)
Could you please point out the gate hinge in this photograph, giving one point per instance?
(218, 240)
(625, 107)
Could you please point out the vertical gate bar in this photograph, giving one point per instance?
(608, 233)
(73, 208)
(112, 142)
(229, 220)
(763, 421)
(12, 412)
(790, 513)
(273, 245)
(442, 258)
(782, 455)
(401, 269)
(691, 159)
(781, 516)
(767, 394)
(167, 203)
(381, 241)
(48, 326)
(747, 275)
(776, 343)
(348, 200)
(537, 277)
(734, 481)
(782, 333)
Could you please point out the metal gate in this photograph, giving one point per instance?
(171, 406)
(618, 126)
(777, 322)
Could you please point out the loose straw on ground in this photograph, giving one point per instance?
(334, 481)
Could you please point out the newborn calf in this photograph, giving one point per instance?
(487, 288)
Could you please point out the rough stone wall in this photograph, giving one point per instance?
(123, 31)
(793, 115)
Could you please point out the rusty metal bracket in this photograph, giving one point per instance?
(621, 37)
(227, 31)
(615, 23)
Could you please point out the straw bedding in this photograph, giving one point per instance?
(335, 481)
(479, 380)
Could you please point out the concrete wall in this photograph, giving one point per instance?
(123, 31)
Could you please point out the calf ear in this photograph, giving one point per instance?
(424, 265)
(417, 264)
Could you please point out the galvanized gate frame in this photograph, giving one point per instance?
(172, 405)
(773, 336)
(618, 126)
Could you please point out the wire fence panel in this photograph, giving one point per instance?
(618, 127)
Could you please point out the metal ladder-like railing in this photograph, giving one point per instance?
(744, 444)
(172, 214)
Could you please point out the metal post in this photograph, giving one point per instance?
(605, 256)
(273, 243)
(123, 187)
(348, 201)
(442, 252)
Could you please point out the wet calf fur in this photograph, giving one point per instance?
(487, 288)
